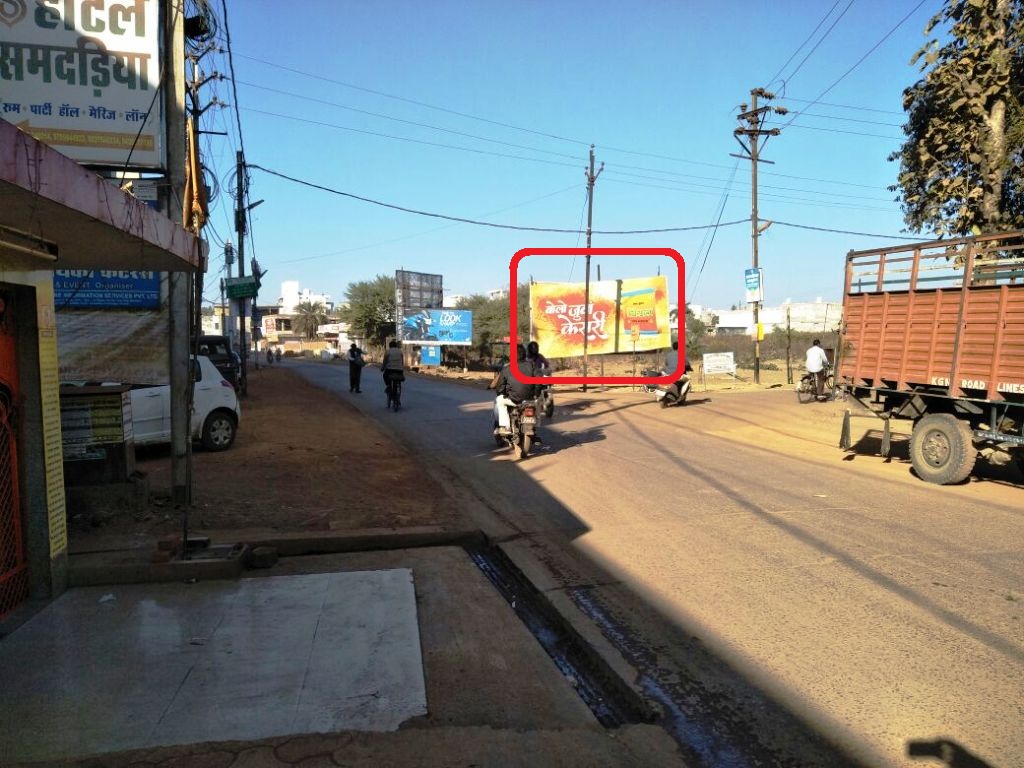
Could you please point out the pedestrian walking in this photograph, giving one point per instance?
(355, 368)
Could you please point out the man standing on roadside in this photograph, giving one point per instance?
(817, 363)
(355, 367)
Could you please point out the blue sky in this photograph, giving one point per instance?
(516, 93)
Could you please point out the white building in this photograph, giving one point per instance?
(292, 296)
(811, 316)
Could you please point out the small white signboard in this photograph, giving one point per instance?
(719, 362)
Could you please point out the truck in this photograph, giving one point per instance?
(933, 334)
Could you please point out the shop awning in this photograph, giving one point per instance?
(55, 214)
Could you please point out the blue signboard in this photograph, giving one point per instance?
(753, 279)
(430, 355)
(106, 288)
(437, 326)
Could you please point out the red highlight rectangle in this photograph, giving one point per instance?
(680, 326)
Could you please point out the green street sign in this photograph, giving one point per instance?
(240, 287)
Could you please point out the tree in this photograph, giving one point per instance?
(492, 318)
(962, 164)
(309, 317)
(370, 310)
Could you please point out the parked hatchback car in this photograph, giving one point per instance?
(215, 411)
(218, 349)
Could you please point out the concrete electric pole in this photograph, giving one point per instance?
(751, 126)
(591, 178)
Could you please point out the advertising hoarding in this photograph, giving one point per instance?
(428, 327)
(619, 310)
(112, 289)
(83, 77)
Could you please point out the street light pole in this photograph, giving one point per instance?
(591, 178)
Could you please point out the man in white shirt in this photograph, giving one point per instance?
(817, 363)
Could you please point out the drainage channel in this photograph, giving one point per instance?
(609, 698)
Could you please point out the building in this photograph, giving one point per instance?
(57, 213)
(813, 317)
(292, 296)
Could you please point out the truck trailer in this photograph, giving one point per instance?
(933, 333)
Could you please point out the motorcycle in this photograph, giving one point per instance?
(674, 394)
(546, 396)
(522, 431)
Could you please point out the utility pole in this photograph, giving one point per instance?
(751, 126)
(240, 211)
(591, 178)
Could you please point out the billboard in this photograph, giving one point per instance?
(83, 76)
(112, 289)
(430, 327)
(624, 315)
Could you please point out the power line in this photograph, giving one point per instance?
(418, 103)
(859, 61)
(847, 119)
(604, 147)
(485, 223)
(231, 65)
(424, 232)
(842, 231)
(412, 122)
(800, 47)
(839, 130)
(843, 106)
(820, 40)
(424, 142)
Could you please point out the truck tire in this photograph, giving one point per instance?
(942, 449)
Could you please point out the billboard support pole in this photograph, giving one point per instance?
(591, 178)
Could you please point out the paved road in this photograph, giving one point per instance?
(786, 605)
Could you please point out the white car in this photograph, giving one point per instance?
(215, 410)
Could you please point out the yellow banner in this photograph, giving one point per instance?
(617, 307)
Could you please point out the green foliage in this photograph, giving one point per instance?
(369, 310)
(492, 319)
(309, 317)
(962, 164)
(696, 333)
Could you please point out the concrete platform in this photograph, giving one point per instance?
(108, 669)
(88, 678)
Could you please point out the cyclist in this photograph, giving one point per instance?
(393, 365)
(817, 365)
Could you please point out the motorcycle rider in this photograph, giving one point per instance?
(511, 391)
(543, 368)
(671, 363)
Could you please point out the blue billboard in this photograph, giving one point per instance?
(429, 327)
(106, 288)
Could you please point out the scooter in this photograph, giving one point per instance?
(674, 394)
(522, 431)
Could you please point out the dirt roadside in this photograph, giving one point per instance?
(304, 461)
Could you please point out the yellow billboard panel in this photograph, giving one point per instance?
(619, 311)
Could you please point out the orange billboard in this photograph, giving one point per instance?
(617, 307)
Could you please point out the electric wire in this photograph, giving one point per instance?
(423, 232)
(604, 147)
(412, 122)
(482, 223)
(860, 61)
(820, 41)
(419, 103)
(423, 142)
(807, 40)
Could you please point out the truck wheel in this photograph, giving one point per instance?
(942, 449)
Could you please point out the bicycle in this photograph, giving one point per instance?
(807, 387)
(394, 392)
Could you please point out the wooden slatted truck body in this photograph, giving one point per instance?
(934, 332)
